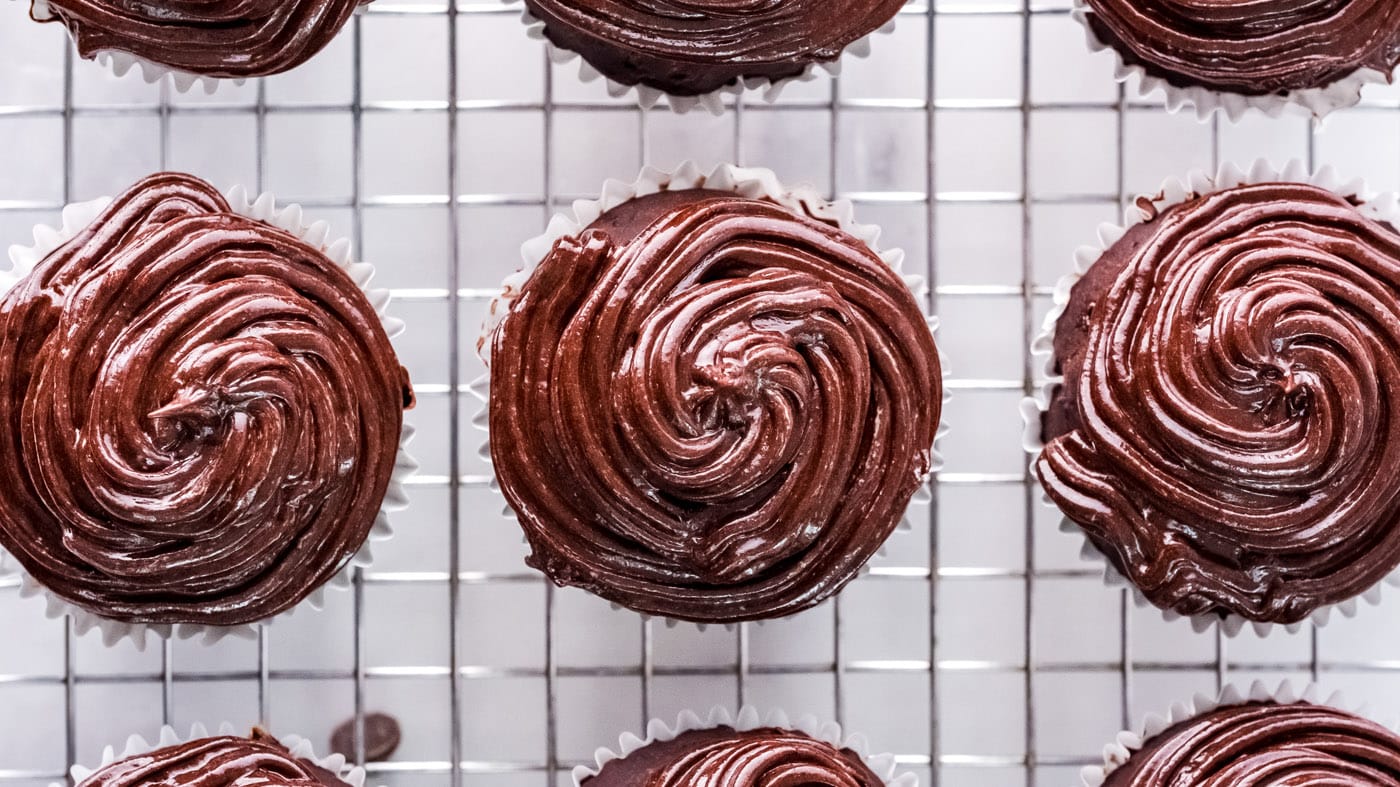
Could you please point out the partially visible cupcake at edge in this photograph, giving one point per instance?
(1253, 737)
(741, 750)
(202, 412)
(708, 401)
(1234, 55)
(1225, 428)
(218, 38)
(687, 49)
(227, 758)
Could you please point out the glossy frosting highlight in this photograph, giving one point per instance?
(1266, 745)
(260, 760)
(1229, 423)
(708, 408)
(724, 757)
(201, 413)
(217, 38)
(690, 47)
(1251, 47)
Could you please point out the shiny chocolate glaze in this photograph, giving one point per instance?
(1266, 745)
(708, 408)
(217, 38)
(724, 757)
(1251, 47)
(1228, 430)
(199, 413)
(259, 760)
(689, 47)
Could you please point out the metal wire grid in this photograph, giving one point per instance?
(938, 762)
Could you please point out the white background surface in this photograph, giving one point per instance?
(1007, 592)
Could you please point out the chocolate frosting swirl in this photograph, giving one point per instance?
(689, 47)
(1251, 47)
(724, 757)
(199, 413)
(1229, 425)
(217, 38)
(1266, 745)
(259, 761)
(712, 409)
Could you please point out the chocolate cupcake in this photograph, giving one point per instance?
(1222, 423)
(740, 751)
(1232, 56)
(202, 407)
(693, 52)
(1259, 738)
(219, 38)
(227, 758)
(709, 401)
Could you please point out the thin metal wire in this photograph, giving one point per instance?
(837, 635)
(357, 582)
(454, 419)
(1222, 663)
(935, 747)
(70, 721)
(264, 664)
(1314, 665)
(551, 674)
(741, 637)
(1028, 372)
(1125, 705)
(167, 647)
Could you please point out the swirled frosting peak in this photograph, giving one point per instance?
(724, 757)
(1251, 47)
(689, 47)
(1266, 745)
(199, 413)
(1228, 430)
(217, 38)
(709, 408)
(224, 761)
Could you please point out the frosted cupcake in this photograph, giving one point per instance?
(1253, 737)
(203, 411)
(1234, 55)
(710, 400)
(226, 758)
(693, 52)
(743, 750)
(217, 39)
(1223, 419)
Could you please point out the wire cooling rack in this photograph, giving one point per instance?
(985, 140)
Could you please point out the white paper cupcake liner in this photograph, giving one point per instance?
(1317, 101)
(752, 182)
(76, 217)
(122, 63)
(1174, 191)
(300, 748)
(748, 718)
(713, 102)
(1127, 742)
